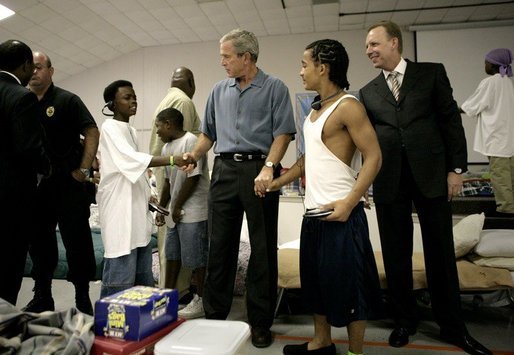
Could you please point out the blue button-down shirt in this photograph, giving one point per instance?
(248, 120)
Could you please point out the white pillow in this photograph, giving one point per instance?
(466, 233)
(502, 263)
(496, 242)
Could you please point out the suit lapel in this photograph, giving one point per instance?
(382, 89)
(409, 79)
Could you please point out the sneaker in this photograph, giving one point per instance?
(193, 310)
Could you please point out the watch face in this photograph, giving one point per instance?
(457, 170)
(269, 164)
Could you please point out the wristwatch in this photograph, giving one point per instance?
(457, 171)
(269, 164)
(85, 171)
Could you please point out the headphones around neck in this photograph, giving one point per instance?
(316, 105)
(110, 106)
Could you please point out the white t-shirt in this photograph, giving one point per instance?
(124, 191)
(327, 178)
(195, 207)
(492, 104)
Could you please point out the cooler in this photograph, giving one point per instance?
(112, 346)
(204, 336)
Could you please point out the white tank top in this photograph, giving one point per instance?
(327, 178)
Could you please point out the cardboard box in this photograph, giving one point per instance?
(113, 346)
(135, 313)
(204, 336)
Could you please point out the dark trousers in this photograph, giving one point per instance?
(396, 236)
(62, 201)
(17, 226)
(232, 194)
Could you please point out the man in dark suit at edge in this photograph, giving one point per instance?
(420, 132)
(22, 157)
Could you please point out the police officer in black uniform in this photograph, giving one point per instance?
(63, 199)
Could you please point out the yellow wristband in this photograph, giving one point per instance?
(172, 160)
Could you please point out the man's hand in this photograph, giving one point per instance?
(189, 162)
(273, 186)
(79, 175)
(177, 214)
(96, 177)
(262, 181)
(367, 204)
(159, 220)
(454, 184)
(183, 161)
(341, 211)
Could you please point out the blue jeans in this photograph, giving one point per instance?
(126, 271)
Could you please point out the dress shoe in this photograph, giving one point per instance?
(261, 337)
(302, 349)
(400, 337)
(83, 303)
(466, 343)
(40, 304)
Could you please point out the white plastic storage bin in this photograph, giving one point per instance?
(204, 336)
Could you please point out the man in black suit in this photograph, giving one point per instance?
(423, 145)
(22, 157)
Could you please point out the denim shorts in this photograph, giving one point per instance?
(188, 242)
(126, 271)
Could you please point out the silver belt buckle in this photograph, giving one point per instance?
(238, 157)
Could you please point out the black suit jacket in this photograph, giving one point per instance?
(22, 153)
(425, 124)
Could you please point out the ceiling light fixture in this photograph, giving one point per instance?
(5, 12)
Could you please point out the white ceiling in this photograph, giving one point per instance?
(80, 34)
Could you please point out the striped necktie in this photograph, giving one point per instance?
(395, 85)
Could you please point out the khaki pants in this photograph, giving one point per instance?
(502, 181)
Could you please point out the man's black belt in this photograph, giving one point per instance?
(242, 156)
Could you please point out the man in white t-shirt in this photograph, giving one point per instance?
(186, 194)
(492, 104)
(123, 195)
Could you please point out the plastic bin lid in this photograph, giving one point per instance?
(204, 336)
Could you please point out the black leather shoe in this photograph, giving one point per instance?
(466, 343)
(261, 337)
(400, 337)
(302, 349)
(40, 304)
(83, 304)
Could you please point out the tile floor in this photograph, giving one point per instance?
(493, 326)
